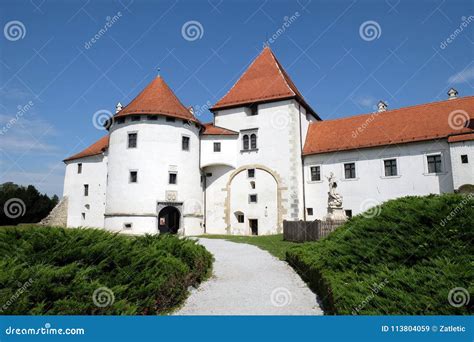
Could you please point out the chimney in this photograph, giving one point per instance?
(382, 106)
(118, 108)
(453, 94)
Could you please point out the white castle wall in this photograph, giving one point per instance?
(94, 173)
(370, 185)
(278, 126)
(462, 173)
(158, 152)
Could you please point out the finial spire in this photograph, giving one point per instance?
(159, 72)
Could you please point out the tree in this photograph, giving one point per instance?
(20, 204)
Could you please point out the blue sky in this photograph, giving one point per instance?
(53, 78)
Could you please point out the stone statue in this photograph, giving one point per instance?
(334, 198)
(335, 210)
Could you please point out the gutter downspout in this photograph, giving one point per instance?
(302, 163)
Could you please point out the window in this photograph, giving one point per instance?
(133, 177)
(390, 166)
(217, 147)
(132, 140)
(173, 178)
(152, 117)
(309, 211)
(249, 141)
(120, 120)
(251, 173)
(240, 218)
(83, 216)
(127, 226)
(348, 213)
(253, 141)
(185, 143)
(464, 159)
(434, 163)
(253, 198)
(245, 142)
(209, 174)
(350, 170)
(79, 168)
(315, 173)
(170, 119)
(136, 118)
(252, 184)
(86, 189)
(254, 110)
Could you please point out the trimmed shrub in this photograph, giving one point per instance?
(51, 271)
(405, 260)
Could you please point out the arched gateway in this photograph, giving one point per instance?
(168, 220)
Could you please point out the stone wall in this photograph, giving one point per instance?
(58, 216)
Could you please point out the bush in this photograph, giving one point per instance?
(55, 271)
(405, 260)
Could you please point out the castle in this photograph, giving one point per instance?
(265, 158)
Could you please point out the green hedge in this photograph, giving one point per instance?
(47, 270)
(405, 260)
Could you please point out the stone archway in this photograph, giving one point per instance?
(280, 188)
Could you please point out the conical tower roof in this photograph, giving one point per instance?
(157, 98)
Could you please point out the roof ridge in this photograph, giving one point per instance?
(394, 110)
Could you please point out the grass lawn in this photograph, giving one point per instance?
(52, 271)
(274, 244)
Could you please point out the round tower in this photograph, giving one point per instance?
(154, 180)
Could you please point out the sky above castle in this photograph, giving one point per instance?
(64, 64)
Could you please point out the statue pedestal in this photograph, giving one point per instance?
(335, 214)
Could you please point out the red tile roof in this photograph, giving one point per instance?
(264, 80)
(210, 129)
(461, 137)
(417, 123)
(96, 148)
(157, 98)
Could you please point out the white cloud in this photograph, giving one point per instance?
(25, 135)
(365, 101)
(463, 76)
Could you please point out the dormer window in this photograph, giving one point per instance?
(253, 110)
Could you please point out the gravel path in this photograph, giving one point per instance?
(249, 281)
